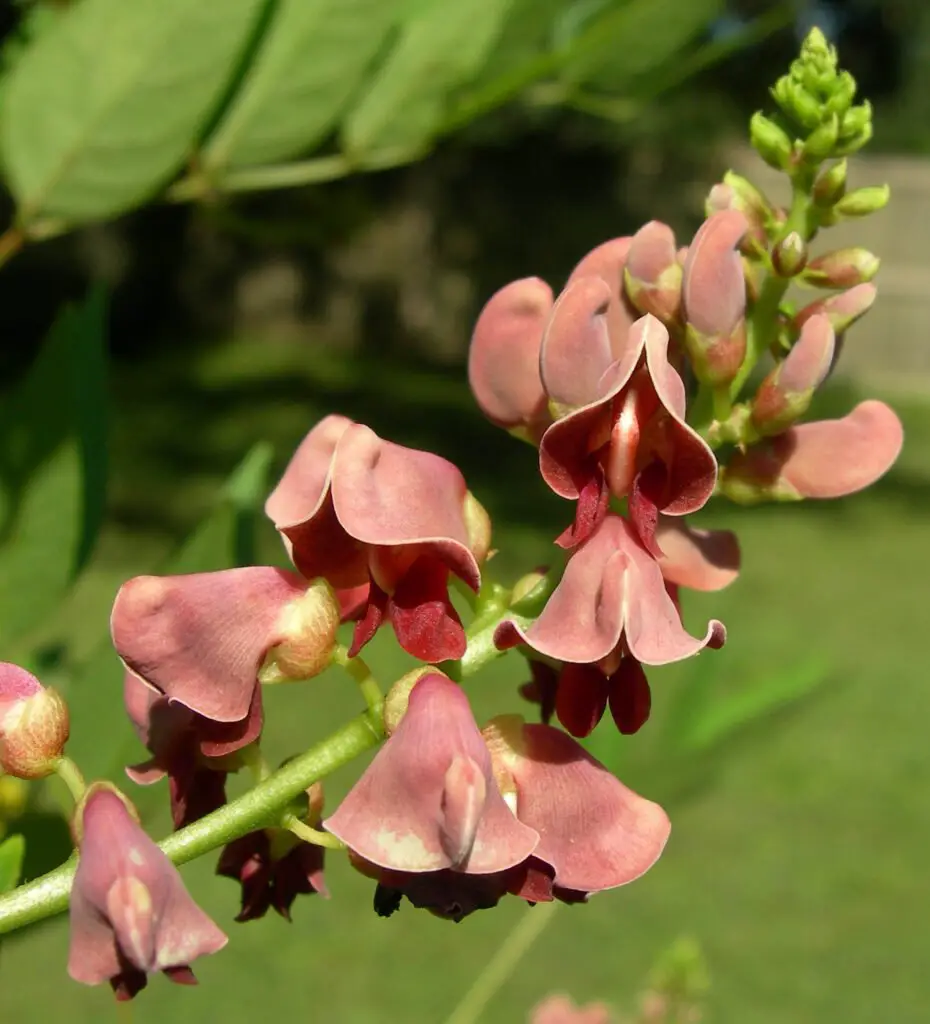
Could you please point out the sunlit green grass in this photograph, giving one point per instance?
(798, 852)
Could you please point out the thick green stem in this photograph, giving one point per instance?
(763, 321)
(48, 895)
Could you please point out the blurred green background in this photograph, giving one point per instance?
(797, 858)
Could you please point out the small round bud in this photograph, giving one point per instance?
(831, 184)
(770, 141)
(395, 703)
(822, 140)
(34, 724)
(307, 627)
(789, 256)
(844, 90)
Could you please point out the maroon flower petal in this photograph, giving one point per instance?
(425, 622)
(630, 697)
(370, 620)
(581, 698)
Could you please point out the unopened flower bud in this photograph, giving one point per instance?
(856, 119)
(652, 274)
(34, 724)
(816, 52)
(308, 625)
(770, 141)
(478, 525)
(853, 143)
(842, 309)
(843, 92)
(797, 102)
(785, 394)
(863, 201)
(395, 703)
(789, 256)
(525, 586)
(822, 140)
(842, 268)
(830, 184)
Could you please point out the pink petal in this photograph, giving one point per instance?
(16, 683)
(713, 287)
(841, 310)
(201, 638)
(503, 360)
(425, 622)
(128, 900)
(595, 832)
(699, 559)
(825, 459)
(809, 360)
(652, 624)
(391, 496)
(607, 262)
(583, 619)
(558, 1009)
(416, 807)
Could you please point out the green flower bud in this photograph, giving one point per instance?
(789, 256)
(830, 184)
(798, 103)
(863, 201)
(855, 143)
(821, 142)
(770, 141)
(817, 52)
(855, 120)
(844, 90)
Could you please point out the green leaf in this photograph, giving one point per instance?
(12, 853)
(613, 46)
(101, 737)
(53, 467)
(312, 60)
(440, 47)
(105, 106)
(704, 717)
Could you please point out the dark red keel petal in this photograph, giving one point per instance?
(370, 619)
(590, 510)
(646, 498)
(424, 620)
(630, 697)
(581, 698)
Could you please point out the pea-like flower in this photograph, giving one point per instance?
(355, 509)
(130, 912)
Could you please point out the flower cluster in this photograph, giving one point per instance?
(630, 383)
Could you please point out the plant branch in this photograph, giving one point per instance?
(48, 895)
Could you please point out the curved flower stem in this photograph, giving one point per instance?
(309, 834)
(503, 963)
(71, 776)
(367, 683)
(260, 806)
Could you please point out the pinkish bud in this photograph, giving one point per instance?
(789, 256)
(842, 310)
(738, 193)
(785, 394)
(652, 274)
(34, 724)
(308, 627)
(714, 298)
(842, 268)
(830, 185)
(130, 912)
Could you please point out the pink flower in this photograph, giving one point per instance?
(357, 510)
(192, 751)
(203, 640)
(621, 427)
(652, 274)
(559, 1009)
(594, 832)
(130, 912)
(611, 601)
(823, 459)
(428, 802)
